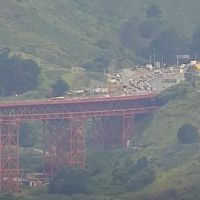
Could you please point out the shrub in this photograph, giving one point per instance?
(70, 181)
(59, 88)
(134, 176)
(17, 75)
(187, 134)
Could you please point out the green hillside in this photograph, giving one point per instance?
(63, 34)
(71, 32)
(174, 164)
(60, 34)
(177, 165)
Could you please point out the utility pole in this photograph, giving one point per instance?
(196, 81)
(154, 57)
(177, 61)
(113, 67)
(195, 56)
(162, 62)
(113, 63)
(75, 82)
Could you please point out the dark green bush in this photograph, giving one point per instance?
(187, 134)
(70, 181)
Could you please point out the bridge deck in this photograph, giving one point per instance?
(76, 100)
(87, 107)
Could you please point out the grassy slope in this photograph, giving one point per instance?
(64, 33)
(170, 118)
(177, 166)
(49, 28)
(70, 28)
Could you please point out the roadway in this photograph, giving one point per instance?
(144, 80)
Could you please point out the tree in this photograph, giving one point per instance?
(104, 44)
(98, 64)
(168, 43)
(141, 179)
(150, 28)
(129, 34)
(27, 135)
(59, 88)
(17, 75)
(153, 11)
(134, 177)
(173, 93)
(187, 134)
(141, 164)
(195, 44)
(70, 181)
(8, 196)
(130, 37)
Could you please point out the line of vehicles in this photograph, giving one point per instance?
(94, 91)
(97, 91)
(147, 80)
(140, 80)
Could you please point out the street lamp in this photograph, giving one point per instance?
(150, 58)
(154, 59)
(113, 63)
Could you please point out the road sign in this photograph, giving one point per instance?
(183, 56)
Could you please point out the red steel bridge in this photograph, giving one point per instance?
(64, 120)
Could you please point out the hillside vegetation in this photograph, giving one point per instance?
(73, 32)
(60, 34)
(63, 34)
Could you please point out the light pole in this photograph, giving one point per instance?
(150, 57)
(154, 59)
(162, 62)
(113, 63)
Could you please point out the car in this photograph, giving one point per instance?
(57, 98)
(80, 91)
(70, 92)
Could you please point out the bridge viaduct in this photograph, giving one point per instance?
(111, 119)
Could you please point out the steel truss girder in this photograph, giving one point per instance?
(82, 114)
(9, 156)
(46, 110)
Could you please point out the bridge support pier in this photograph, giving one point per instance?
(9, 156)
(127, 130)
(77, 143)
(64, 144)
(56, 145)
(107, 131)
